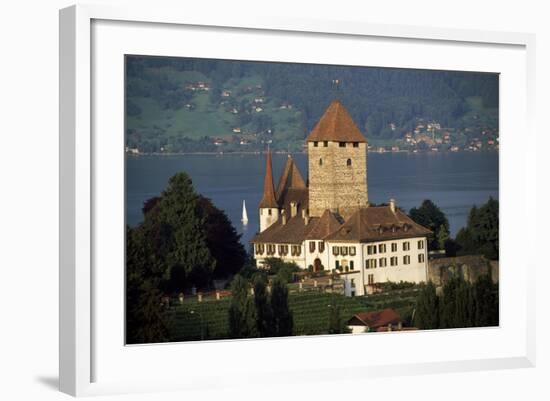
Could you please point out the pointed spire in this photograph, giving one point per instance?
(290, 178)
(268, 200)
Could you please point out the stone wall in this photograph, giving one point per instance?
(333, 184)
(469, 267)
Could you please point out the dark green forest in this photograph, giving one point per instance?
(281, 102)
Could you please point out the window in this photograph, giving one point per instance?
(355, 144)
(296, 250)
(352, 250)
(321, 246)
(315, 143)
(344, 250)
(370, 279)
(312, 246)
(407, 260)
(382, 248)
(383, 262)
(420, 258)
(283, 250)
(352, 282)
(325, 144)
(337, 264)
(394, 247)
(270, 249)
(421, 244)
(269, 212)
(320, 162)
(335, 250)
(393, 261)
(342, 144)
(348, 162)
(371, 249)
(351, 267)
(406, 246)
(370, 263)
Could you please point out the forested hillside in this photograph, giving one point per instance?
(186, 105)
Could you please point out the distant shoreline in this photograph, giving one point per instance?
(284, 153)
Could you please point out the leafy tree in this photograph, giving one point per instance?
(430, 216)
(427, 308)
(283, 270)
(146, 319)
(242, 311)
(283, 321)
(442, 237)
(480, 236)
(456, 304)
(222, 240)
(173, 229)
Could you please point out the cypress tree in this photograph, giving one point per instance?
(242, 311)
(427, 308)
(264, 315)
(282, 315)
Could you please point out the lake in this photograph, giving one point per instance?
(453, 181)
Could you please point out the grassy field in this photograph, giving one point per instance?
(311, 312)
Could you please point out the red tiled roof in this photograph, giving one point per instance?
(336, 124)
(375, 319)
(326, 224)
(268, 199)
(378, 223)
(294, 231)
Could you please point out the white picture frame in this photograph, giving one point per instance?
(84, 350)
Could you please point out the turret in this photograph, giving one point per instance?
(269, 209)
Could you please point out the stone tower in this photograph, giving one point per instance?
(269, 209)
(337, 154)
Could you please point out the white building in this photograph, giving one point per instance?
(373, 244)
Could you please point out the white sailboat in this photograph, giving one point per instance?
(245, 215)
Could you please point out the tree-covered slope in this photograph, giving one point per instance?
(181, 104)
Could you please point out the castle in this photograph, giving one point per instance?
(328, 224)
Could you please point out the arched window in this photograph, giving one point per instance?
(348, 163)
(320, 162)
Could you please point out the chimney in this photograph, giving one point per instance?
(293, 209)
(305, 216)
(392, 205)
(283, 217)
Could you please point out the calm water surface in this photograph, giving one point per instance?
(454, 181)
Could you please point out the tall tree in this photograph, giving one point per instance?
(427, 308)
(336, 324)
(283, 321)
(480, 236)
(147, 320)
(264, 315)
(222, 240)
(430, 216)
(173, 227)
(242, 311)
